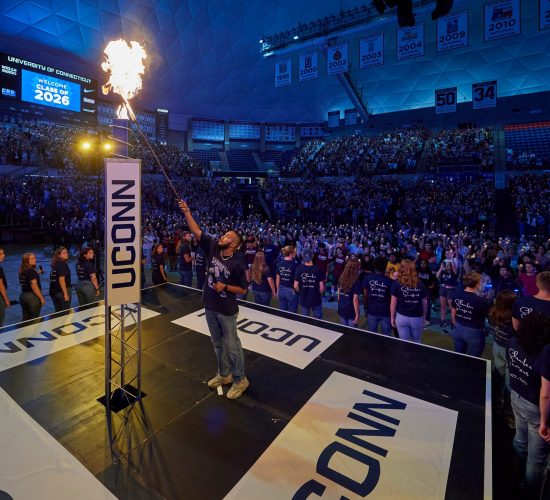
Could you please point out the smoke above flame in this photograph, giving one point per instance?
(124, 64)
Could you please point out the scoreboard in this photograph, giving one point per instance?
(39, 91)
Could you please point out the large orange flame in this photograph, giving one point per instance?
(124, 63)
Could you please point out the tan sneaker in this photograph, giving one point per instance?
(238, 388)
(219, 380)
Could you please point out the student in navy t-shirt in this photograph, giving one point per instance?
(349, 289)
(286, 269)
(376, 296)
(535, 303)
(468, 313)
(408, 303)
(308, 282)
(527, 363)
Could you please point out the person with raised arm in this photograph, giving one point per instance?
(226, 279)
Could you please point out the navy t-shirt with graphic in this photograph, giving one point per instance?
(523, 378)
(84, 269)
(447, 279)
(524, 306)
(59, 269)
(26, 277)
(228, 270)
(345, 300)
(378, 288)
(286, 270)
(409, 300)
(184, 266)
(309, 278)
(471, 310)
(502, 333)
(263, 286)
(542, 365)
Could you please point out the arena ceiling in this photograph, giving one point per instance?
(205, 58)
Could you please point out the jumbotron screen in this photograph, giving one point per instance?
(39, 91)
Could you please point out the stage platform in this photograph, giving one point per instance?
(331, 412)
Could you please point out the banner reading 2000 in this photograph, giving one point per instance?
(502, 19)
(337, 59)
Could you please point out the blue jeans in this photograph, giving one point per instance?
(468, 340)
(317, 311)
(374, 321)
(85, 293)
(200, 272)
(263, 298)
(409, 328)
(347, 322)
(528, 445)
(2, 311)
(186, 278)
(227, 345)
(59, 303)
(30, 305)
(288, 299)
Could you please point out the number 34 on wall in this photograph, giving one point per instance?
(484, 95)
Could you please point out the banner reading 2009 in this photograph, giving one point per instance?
(502, 19)
(452, 31)
(337, 59)
(410, 42)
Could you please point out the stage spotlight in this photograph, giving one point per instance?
(107, 146)
(379, 5)
(442, 8)
(405, 16)
(86, 145)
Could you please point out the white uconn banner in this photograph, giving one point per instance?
(354, 439)
(291, 342)
(283, 73)
(34, 465)
(337, 59)
(122, 231)
(502, 19)
(410, 42)
(309, 66)
(371, 51)
(21, 345)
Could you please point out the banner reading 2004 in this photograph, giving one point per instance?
(502, 19)
(410, 42)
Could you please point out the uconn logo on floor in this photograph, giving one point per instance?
(285, 340)
(354, 439)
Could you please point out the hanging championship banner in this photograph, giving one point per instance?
(544, 14)
(371, 51)
(410, 42)
(283, 73)
(484, 95)
(337, 59)
(122, 231)
(309, 66)
(452, 31)
(445, 101)
(502, 19)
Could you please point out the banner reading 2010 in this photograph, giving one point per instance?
(502, 19)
